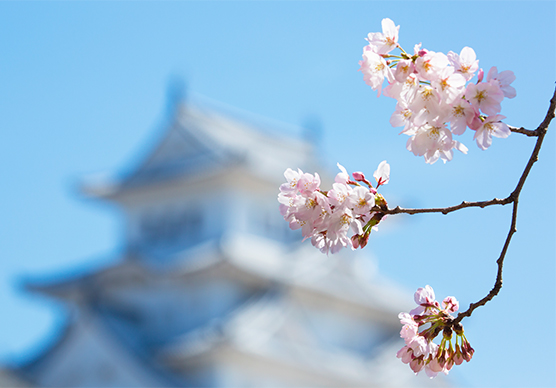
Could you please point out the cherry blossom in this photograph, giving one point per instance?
(375, 69)
(328, 217)
(461, 115)
(422, 325)
(433, 100)
(430, 64)
(385, 41)
(504, 79)
(466, 63)
(382, 173)
(491, 126)
(487, 96)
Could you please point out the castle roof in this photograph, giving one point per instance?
(200, 141)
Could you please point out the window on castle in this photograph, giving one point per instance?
(172, 226)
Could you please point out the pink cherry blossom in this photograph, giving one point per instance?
(361, 200)
(406, 354)
(461, 115)
(342, 176)
(382, 173)
(308, 183)
(504, 79)
(450, 304)
(405, 91)
(422, 325)
(327, 217)
(487, 96)
(466, 63)
(339, 194)
(402, 115)
(450, 85)
(426, 105)
(375, 69)
(385, 41)
(424, 295)
(491, 126)
(429, 65)
(434, 142)
(406, 319)
(409, 332)
(404, 68)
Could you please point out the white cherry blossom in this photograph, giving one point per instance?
(385, 41)
(466, 63)
(491, 126)
(504, 80)
(375, 69)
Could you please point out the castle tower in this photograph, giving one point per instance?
(213, 289)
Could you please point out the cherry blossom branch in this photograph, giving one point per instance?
(513, 198)
(423, 84)
(435, 100)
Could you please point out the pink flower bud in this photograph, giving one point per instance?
(417, 364)
(358, 176)
(449, 363)
(480, 76)
(442, 359)
(360, 241)
(458, 358)
(435, 366)
(467, 351)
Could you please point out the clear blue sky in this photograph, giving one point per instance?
(83, 89)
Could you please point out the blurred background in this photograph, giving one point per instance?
(89, 87)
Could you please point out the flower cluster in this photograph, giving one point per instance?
(432, 318)
(433, 100)
(326, 217)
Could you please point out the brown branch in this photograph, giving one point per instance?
(540, 132)
(449, 209)
(523, 131)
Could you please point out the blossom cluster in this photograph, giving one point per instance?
(432, 318)
(326, 217)
(435, 99)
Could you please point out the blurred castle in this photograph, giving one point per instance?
(214, 290)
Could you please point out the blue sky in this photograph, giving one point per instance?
(83, 89)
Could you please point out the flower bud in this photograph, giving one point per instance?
(467, 351)
(449, 363)
(458, 358)
(360, 240)
(480, 76)
(417, 364)
(435, 366)
(442, 359)
(358, 176)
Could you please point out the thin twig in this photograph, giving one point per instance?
(449, 209)
(523, 131)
